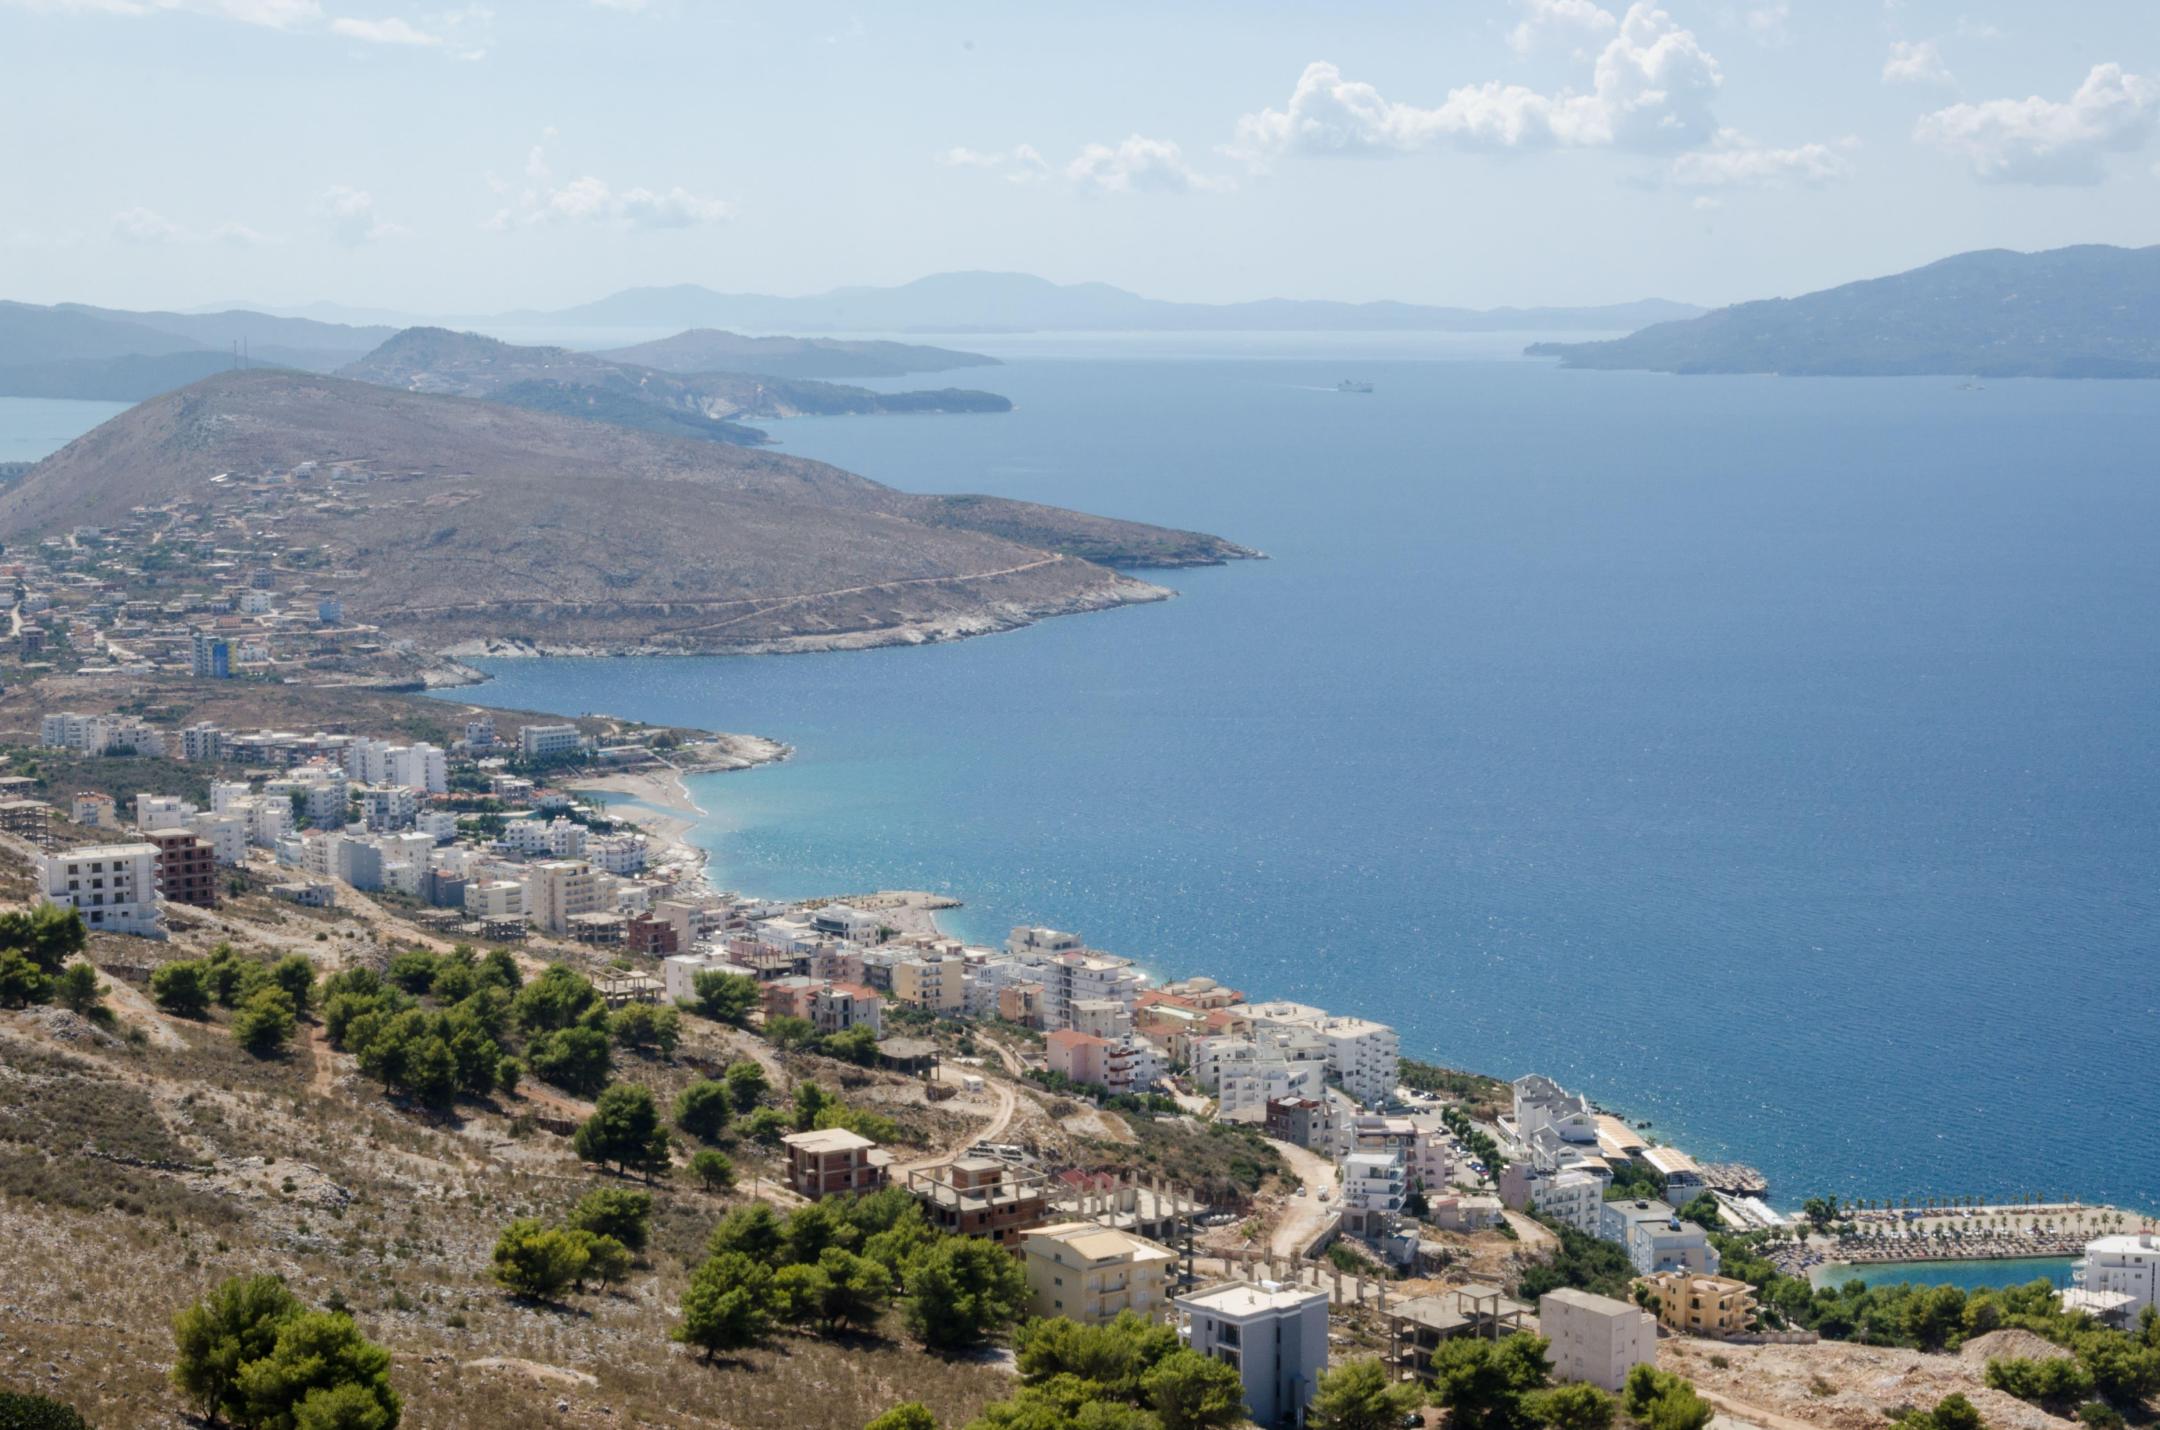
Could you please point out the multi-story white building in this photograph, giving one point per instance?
(2123, 1266)
(1245, 1086)
(1274, 1336)
(1541, 1103)
(1374, 1182)
(494, 900)
(419, 766)
(202, 743)
(560, 889)
(1595, 1338)
(1365, 1056)
(113, 886)
(619, 854)
(548, 742)
(387, 807)
(94, 810)
(226, 834)
(154, 812)
(1656, 1239)
(1082, 976)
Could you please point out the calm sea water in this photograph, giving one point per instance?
(1776, 760)
(1969, 1275)
(34, 427)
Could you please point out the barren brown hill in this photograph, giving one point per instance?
(449, 520)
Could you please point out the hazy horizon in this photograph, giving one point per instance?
(436, 160)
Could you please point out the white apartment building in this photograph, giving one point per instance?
(202, 743)
(1374, 1182)
(1024, 942)
(560, 889)
(154, 812)
(226, 834)
(1245, 1086)
(619, 854)
(548, 742)
(1101, 1017)
(679, 971)
(419, 766)
(1575, 1197)
(1274, 1336)
(1366, 1057)
(1656, 1239)
(1541, 1103)
(1595, 1338)
(94, 810)
(113, 886)
(1086, 976)
(2123, 1266)
(385, 807)
(495, 899)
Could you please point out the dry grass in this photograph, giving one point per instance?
(249, 1165)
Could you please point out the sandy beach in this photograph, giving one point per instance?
(666, 813)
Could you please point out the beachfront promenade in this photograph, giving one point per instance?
(1977, 1233)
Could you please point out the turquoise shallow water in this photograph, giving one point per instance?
(1967, 1275)
(1774, 759)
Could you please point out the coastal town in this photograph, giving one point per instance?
(1415, 1208)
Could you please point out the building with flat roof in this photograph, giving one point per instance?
(2122, 1265)
(981, 1196)
(1595, 1338)
(186, 867)
(821, 1164)
(1274, 1336)
(1417, 1327)
(113, 886)
(1690, 1305)
(1656, 1239)
(1092, 1274)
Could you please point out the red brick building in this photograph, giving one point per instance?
(186, 868)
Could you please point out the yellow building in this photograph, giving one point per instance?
(1090, 1273)
(1688, 1304)
(932, 981)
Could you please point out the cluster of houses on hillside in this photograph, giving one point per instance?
(101, 597)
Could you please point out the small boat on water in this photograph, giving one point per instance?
(1353, 384)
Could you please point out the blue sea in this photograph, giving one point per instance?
(1966, 1275)
(1776, 760)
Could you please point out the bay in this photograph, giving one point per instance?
(1772, 759)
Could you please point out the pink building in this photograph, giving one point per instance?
(1081, 1057)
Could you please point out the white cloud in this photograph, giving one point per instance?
(589, 199)
(239, 235)
(677, 208)
(1768, 22)
(391, 31)
(1559, 17)
(1021, 164)
(1652, 89)
(1734, 161)
(1139, 164)
(275, 14)
(2045, 141)
(1916, 62)
(630, 7)
(141, 225)
(351, 216)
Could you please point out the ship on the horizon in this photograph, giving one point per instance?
(1353, 384)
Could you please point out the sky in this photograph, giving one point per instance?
(475, 158)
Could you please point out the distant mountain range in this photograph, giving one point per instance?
(712, 350)
(1018, 302)
(2090, 311)
(599, 388)
(71, 350)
